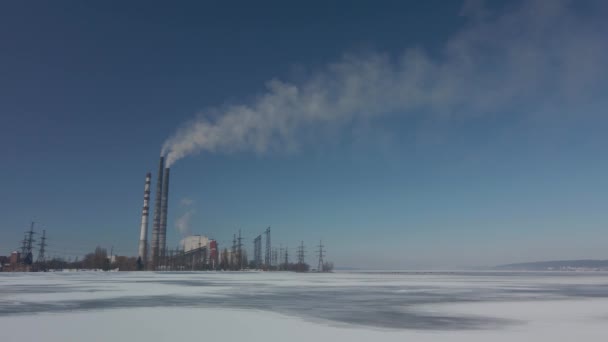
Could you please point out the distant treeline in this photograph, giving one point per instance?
(557, 265)
(99, 260)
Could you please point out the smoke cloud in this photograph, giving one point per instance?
(182, 224)
(186, 202)
(542, 52)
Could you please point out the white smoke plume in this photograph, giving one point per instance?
(186, 202)
(182, 224)
(542, 52)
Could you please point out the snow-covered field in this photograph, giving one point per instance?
(250, 306)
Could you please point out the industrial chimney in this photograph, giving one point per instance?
(157, 210)
(162, 235)
(143, 232)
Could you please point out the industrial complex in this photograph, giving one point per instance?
(193, 253)
(199, 252)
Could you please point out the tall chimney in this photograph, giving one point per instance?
(157, 207)
(162, 234)
(143, 232)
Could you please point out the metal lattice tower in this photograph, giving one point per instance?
(301, 253)
(321, 255)
(30, 238)
(42, 245)
(24, 245)
(275, 257)
(267, 256)
(286, 257)
(240, 251)
(233, 255)
(28, 257)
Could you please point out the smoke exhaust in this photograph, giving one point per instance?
(143, 232)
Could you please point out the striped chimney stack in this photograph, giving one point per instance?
(143, 233)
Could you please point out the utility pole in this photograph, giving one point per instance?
(42, 248)
(321, 255)
(240, 250)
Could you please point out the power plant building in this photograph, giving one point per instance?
(194, 242)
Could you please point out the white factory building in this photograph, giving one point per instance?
(194, 242)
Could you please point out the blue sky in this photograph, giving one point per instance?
(405, 135)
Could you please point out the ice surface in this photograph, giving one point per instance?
(250, 306)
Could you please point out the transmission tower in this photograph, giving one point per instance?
(24, 245)
(301, 253)
(286, 258)
(240, 251)
(233, 258)
(42, 245)
(28, 258)
(275, 257)
(321, 255)
(267, 256)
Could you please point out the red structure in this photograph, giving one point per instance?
(213, 254)
(15, 258)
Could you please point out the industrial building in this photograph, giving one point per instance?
(194, 242)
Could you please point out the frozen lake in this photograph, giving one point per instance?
(382, 306)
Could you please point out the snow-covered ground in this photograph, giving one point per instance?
(250, 306)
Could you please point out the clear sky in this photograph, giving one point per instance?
(435, 134)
